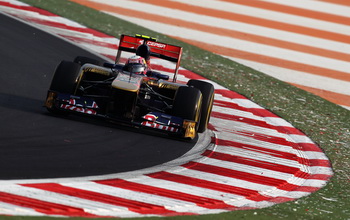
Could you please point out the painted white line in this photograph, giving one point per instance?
(320, 6)
(269, 15)
(8, 209)
(298, 77)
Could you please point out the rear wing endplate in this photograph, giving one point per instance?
(161, 50)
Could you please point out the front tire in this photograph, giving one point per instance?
(207, 91)
(187, 103)
(63, 81)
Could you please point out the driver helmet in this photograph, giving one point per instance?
(136, 64)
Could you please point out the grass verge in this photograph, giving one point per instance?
(325, 123)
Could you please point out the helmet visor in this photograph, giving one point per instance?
(136, 68)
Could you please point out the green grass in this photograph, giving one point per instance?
(326, 124)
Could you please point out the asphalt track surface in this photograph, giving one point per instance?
(35, 144)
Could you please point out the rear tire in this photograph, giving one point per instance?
(207, 91)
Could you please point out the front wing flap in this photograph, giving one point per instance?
(170, 123)
(72, 103)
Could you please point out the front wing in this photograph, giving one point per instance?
(154, 120)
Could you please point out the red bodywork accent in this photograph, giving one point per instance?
(162, 50)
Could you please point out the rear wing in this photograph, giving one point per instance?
(157, 49)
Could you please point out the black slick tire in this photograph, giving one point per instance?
(64, 81)
(207, 90)
(187, 103)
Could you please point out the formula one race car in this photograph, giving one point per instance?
(132, 93)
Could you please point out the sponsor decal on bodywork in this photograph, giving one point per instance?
(97, 70)
(79, 105)
(161, 121)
